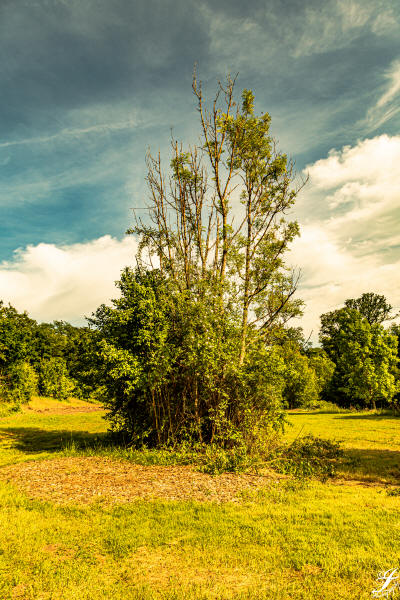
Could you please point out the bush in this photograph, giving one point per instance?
(54, 379)
(217, 460)
(19, 383)
(309, 457)
(171, 374)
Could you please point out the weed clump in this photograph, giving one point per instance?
(309, 456)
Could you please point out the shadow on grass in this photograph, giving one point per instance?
(311, 413)
(370, 466)
(33, 440)
(369, 416)
(375, 466)
(348, 414)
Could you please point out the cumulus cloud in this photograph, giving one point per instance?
(65, 282)
(331, 274)
(353, 193)
(350, 238)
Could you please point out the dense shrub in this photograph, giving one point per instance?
(309, 456)
(54, 379)
(170, 370)
(19, 383)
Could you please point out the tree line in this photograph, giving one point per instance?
(355, 366)
(50, 359)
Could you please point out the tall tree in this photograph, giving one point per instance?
(229, 229)
(187, 348)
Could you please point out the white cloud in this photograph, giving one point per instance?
(387, 105)
(99, 128)
(65, 282)
(331, 274)
(337, 24)
(355, 192)
(350, 240)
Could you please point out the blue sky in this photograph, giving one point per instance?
(88, 85)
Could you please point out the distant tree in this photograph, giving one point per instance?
(63, 355)
(79, 350)
(308, 371)
(54, 379)
(323, 367)
(373, 307)
(395, 330)
(301, 382)
(365, 357)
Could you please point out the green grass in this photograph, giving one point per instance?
(371, 441)
(289, 542)
(30, 435)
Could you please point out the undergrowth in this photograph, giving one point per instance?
(304, 458)
(309, 456)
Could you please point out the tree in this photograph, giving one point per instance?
(16, 336)
(54, 379)
(18, 383)
(373, 307)
(193, 232)
(365, 357)
(187, 349)
(301, 382)
(61, 355)
(395, 330)
(323, 367)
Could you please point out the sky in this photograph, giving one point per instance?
(88, 86)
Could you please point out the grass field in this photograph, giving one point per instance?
(287, 541)
(371, 442)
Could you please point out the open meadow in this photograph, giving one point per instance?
(276, 538)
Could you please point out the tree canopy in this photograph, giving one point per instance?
(373, 307)
(365, 357)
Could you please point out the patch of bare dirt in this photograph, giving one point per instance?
(86, 479)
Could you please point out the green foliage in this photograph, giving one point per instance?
(63, 355)
(170, 374)
(323, 367)
(78, 347)
(308, 371)
(373, 307)
(395, 331)
(186, 351)
(216, 460)
(309, 456)
(301, 382)
(16, 336)
(19, 383)
(365, 357)
(54, 379)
